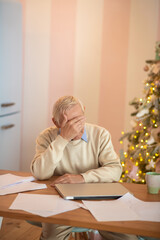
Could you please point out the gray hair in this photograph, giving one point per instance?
(62, 104)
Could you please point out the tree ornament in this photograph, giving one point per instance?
(158, 165)
(146, 68)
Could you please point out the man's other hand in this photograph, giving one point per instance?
(69, 178)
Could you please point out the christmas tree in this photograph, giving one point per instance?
(143, 141)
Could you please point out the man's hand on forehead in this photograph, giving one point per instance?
(73, 127)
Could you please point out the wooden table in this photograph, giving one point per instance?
(81, 217)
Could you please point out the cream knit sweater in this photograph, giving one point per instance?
(95, 160)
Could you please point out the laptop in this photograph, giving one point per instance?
(91, 191)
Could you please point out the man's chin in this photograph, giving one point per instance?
(78, 137)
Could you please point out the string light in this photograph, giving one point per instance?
(122, 164)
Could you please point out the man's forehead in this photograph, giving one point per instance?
(74, 111)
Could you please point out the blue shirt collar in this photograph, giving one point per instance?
(84, 136)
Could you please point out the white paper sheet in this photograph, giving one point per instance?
(43, 205)
(147, 211)
(110, 211)
(126, 208)
(22, 187)
(7, 180)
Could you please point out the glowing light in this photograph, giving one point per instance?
(147, 84)
(142, 140)
(144, 127)
(140, 171)
(125, 154)
(136, 163)
(140, 124)
(143, 180)
(156, 154)
(137, 131)
(126, 171)
(140, 99)
(142, 146)
(122, 164)
(147, 153)
(121, 142)
(120, 181)
(146, 134)
(154, 157)
(122, 133)
(155, 125)
(135, 136)
(137, 146)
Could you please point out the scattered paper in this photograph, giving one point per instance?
(110, 211)
(147, 211)
(10, 183)
(7, 180)
(126, 208)
(43, 205)
(23, 187)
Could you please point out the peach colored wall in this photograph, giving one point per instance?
(92, 49)
(142, 38)
(114, 65)
(62, 54)
(88, 49)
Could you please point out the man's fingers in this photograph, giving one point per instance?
(64, 120)
(80, 119)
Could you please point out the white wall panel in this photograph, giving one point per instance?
(36, 74)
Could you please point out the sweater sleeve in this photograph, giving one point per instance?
(110, 167)
(47, 156)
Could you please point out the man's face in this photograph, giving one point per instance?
(73, 112)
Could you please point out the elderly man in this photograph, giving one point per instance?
(77, 152)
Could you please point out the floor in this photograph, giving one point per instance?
(13, 229)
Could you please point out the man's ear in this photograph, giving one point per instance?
(55, 123)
